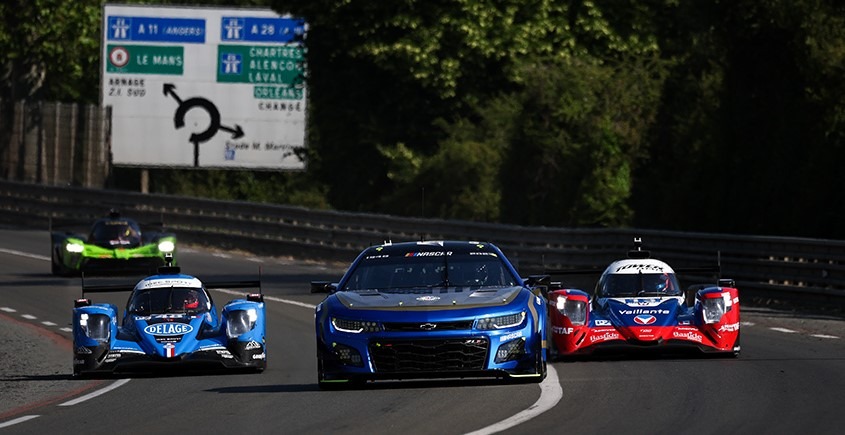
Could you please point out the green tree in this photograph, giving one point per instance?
(49, 50)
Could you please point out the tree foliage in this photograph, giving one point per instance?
(671, 114)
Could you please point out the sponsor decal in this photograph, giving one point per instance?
(78, 362)
(490, 254)
(686, 328)
(639, 266)
(730, 327)
(82, 350)
(510, 336)
(225, 354)
(643, 311)
(609, 335)
(428, 298)
(252, 345)
(259, 356)
(170, 282)
(168, 329)
(684, 322)
(561, 330)
(428, 326)
(429, 254)
(645, 319)
(601, 322)
(375, 257)
(689, 335)
(539, 301)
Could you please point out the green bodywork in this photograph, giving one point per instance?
(67, 261)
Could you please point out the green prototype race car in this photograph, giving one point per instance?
(114, 245)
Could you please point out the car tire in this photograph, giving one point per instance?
(55, 267)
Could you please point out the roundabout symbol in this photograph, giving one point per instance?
(213, 126)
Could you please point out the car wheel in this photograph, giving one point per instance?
(55, 267)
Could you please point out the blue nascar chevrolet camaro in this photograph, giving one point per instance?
(431, 309)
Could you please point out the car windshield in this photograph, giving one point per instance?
(168, 300)
(393, 274)
(115, 233)
(639, 284)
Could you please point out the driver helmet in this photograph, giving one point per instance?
(664, 283)
(191, 300)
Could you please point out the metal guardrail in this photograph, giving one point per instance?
(768, 266)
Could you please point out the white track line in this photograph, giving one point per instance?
(18, 420)
(550, 394)
(24, 254)
(96, 393)
(784, 330)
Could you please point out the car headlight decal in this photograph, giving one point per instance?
(240, 322)
(348, 355)
(510, 351)
(500, 322)
(355, 326)
(166, 246)
(713, 309)
(575, 310)
(95, 326)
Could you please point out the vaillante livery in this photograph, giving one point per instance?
(443, 309)
(114, 244)
(170, 321)
(638, 304)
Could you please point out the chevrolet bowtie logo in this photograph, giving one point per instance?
(428, 326)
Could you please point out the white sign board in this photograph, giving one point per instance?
(204, 87)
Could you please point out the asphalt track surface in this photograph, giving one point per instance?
(789, 379)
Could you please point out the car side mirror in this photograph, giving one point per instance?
(323, 287)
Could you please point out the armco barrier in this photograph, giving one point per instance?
(771, 266)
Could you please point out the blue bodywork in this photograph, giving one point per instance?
(430, 310)
(169, 321)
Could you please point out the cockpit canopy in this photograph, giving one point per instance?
(168, 300)
(638, 277)
(115, 233)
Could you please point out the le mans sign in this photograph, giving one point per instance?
(195, 87)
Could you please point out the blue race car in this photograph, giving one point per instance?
(443, 309)
(170, 321)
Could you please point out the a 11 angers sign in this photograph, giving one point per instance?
(195, 87)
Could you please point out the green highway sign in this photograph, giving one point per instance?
(145, 59)
(263, 65)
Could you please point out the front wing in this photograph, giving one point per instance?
(101, 346)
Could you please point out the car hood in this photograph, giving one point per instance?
(428, 299)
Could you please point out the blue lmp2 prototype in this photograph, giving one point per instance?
(170, 321)
(443, 309)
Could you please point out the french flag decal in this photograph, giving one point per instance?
(645, 319)
(170, 350)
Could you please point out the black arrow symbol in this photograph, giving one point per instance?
(170, 89)
(237, 132)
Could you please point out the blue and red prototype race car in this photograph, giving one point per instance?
(638, 304)
(170, 322)
(432, 309)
